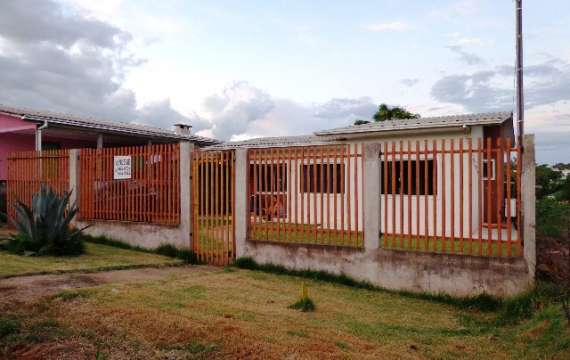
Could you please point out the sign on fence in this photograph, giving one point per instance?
(121, 167)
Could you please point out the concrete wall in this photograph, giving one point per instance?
(136, 234)
(142, 234)
(400, 270)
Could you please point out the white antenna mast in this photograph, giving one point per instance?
(519, 74)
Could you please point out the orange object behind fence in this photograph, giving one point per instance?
(27, 170)
(307, 195)
(452, 196)
(147, 190)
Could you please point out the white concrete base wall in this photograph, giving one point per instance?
(396, 270)
(143, 235)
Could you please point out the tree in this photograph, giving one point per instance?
(548, 181)
(386, 112)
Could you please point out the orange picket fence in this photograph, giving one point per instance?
(139, 184)
(213, 206)
(455, 196)
(307, 195)
(28, 170)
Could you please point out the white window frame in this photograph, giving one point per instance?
(485, 166)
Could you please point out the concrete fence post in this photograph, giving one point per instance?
(241, 194)
(186, 149)
(371, 196)
(74, 175)
(529, 204)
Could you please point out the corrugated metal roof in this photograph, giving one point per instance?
(422, 123)
(280, 141)
(102, 125)
(334, 135)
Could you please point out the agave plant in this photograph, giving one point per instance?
(44, 228)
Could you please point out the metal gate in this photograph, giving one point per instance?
(213, 205)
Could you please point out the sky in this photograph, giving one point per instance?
(240, 69)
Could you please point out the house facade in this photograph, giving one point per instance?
(437, 178)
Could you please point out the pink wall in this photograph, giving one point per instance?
(11, 142)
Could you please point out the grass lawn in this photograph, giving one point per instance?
(304, 234)
(449, 246)
(231, 313)
(97, 256)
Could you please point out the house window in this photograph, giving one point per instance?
(486, 174)
(401, 176)
(322, 178)
(269, 178)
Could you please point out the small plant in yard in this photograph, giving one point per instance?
(43, 228)
(304, 303)
(8, 326)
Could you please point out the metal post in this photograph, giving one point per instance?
(519, 74)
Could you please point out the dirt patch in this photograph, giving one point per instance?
(29, 288)
(63, 351)
(553, 260)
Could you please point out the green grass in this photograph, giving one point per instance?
(450, 247)
(304, 234)
(480, 302)
(213, 313)
(305, 304)
(169, 250)
(97, 256)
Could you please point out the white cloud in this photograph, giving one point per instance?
(456, 9)
(388, 26)
(459, 39)
(241, 111)
(467, 57)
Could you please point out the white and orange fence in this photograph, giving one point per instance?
(149, 193)
(28, 170)
(307, 195)
(455, 196)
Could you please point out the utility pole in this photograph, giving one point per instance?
(519, 74)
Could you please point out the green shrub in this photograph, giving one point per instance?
(304, 304)
(552, 218)
(8, 326)
(43, 228)
(185, 255)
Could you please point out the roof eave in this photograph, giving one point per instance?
(427, 128)
(69, 123)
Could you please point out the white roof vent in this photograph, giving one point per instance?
(183, 129)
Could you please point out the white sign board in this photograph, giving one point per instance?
(121, 167)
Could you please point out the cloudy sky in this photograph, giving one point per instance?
(240, 69)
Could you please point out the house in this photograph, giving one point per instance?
(26, 129)
(440, 176)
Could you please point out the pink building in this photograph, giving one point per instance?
(25, 129)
